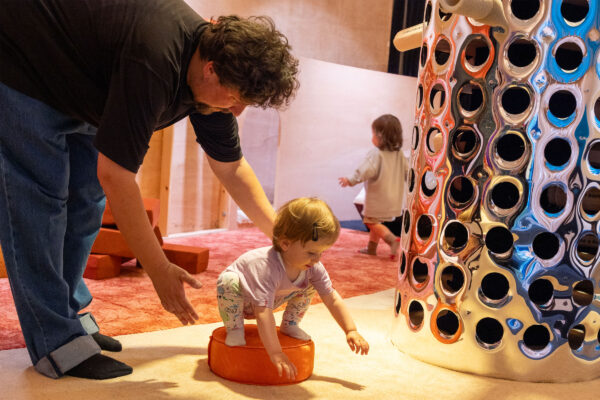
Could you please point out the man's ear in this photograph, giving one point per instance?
(208, 68)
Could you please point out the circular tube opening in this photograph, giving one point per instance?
(415, 137)
(499, 240)
(489, 333)
(568, 56)
(464, 143)
(411, 180)
(521, 52)
(452, 279)
(398, 302)
(420, 271)
(536, 337)
(455, 236)
(419, 96)
(437, 98)
(442, 52)
(505, 195)
(494, 288)
(587, 247)
(590, 203)
(403, 264)
(427, 16)
(557, 152)
(515, 100)
(461, 192)
(583, 293)
(477, 52)
(447, 323)
(435, 140)
(576, 336)
(428, 184)
(406, 221)
(541, 292)
(562, 104)
(574, 11)
(524, 9)
(545, 245)
(594, 156)
(415, 314)
(424, 227)
(444, 16)
(470, 98)
(510, 147)
(553, 199)
(423, 54)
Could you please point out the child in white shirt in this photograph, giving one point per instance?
(384, 172)
(287, 272)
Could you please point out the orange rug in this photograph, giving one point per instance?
(128, 304)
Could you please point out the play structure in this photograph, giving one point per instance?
(499, 269)
(251, 364)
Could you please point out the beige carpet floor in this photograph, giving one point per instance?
(172, 364)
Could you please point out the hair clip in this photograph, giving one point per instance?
(315, 233)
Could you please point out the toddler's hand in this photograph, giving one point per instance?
(357, 343)
(284, 365)
(344, 181)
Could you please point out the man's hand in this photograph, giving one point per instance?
(284, 366)
(357, 343)
(168, 284)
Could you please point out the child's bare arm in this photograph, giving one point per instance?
(339, 311)
(268, 334)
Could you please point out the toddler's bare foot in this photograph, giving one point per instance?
(235, 337)
(366, 251)
(371, 249)
(294, 331)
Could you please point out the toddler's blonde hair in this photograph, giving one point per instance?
(304, 219)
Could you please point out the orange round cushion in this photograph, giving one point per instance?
(251, 363)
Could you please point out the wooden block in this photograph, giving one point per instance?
(193, 259)
(2, 266)
(112, 242)
(152, 207)
(102, 266)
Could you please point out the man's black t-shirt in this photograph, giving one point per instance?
(120, 65)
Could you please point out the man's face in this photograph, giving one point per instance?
(220, 98)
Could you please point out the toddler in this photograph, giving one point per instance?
(384, 173)
(288, 272)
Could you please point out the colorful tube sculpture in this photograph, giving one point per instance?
(499, 268)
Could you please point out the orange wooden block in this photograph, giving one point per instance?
(193, 259)
(112, 242)
(2, 266)
(102, 266)
(251, 364)
(152, 207)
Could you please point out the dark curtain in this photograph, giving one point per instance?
(406, 13)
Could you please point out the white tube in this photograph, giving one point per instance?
(488, 12)
(409, 38)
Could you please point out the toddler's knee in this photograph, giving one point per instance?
(229, 280)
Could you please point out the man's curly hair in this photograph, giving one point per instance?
(252, 56)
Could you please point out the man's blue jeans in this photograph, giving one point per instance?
(51, 206)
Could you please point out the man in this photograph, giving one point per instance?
(83, 84)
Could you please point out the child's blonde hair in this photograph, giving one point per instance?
(388, 130)
(304, 219)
